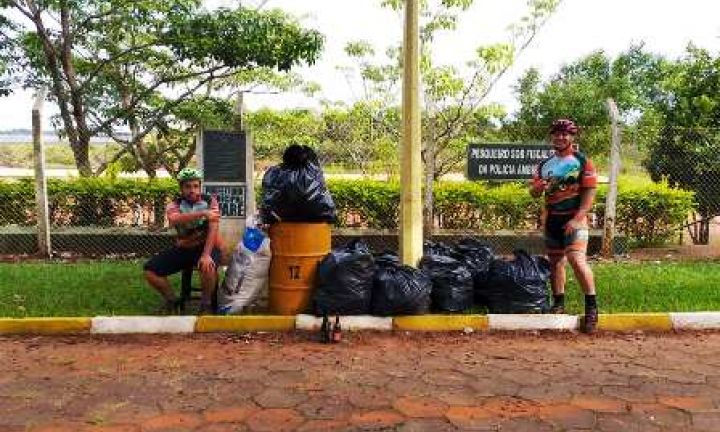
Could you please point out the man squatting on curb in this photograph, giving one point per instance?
(568, 180)
(195, 217)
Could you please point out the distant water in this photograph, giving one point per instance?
(48, 138)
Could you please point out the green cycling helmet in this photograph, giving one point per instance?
(186, 174)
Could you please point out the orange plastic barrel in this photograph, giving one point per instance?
(297, 248)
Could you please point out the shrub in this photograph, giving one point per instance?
(648, 213)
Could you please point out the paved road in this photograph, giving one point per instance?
(370, 382)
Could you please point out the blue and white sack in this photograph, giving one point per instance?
(247, 273)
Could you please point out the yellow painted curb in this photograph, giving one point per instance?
(441, 322)
(249, 323)
(44, 325)
(635, 321)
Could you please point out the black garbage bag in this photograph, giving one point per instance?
(345, 281)
(452, 281)
(478, 257)
(436, 248)
(295, 191)
(518, 285)
(399, 289)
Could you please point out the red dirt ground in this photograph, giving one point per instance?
(406, 382)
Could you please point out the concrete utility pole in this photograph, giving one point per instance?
(240, 126)
(41, 201)
(411, 220)
(611, 200)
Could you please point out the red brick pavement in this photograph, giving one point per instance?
(403, 382)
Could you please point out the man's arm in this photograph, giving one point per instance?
(537, 184)
(537, 187)
(588, 190)
(587, 197)
(174, 216)
(206, 262)
(212, 227)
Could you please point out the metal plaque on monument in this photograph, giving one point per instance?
(227, 162)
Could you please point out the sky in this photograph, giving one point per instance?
(577, 28)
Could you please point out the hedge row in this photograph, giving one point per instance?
(649, 213)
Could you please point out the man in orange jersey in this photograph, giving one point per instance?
(568, 180)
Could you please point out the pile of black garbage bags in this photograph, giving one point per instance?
(353, 281)
(295, 190)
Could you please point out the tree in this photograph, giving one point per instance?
(7, 53)
(114, 64)
(361, 136)
(687, 153)
(579, 91)
(171, 145)
(454, 96)
(274, 130)
(348, 135)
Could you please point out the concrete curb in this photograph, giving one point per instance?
(695, 320)
(264, 323)
(621, 322)
(632, 321)
(45, 325)
(441, 323)
(143, 324)
(351, 323)
(533, 322)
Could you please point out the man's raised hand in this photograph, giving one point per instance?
(213, 215)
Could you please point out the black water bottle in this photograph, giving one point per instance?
(325, 329)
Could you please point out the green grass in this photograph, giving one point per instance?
(20, 155)
(652, 287)
(75, 289)
(93, 288)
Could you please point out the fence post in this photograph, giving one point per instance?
(41, 201)
(611, 200)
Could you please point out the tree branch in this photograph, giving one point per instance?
(84, 23)
(69, 68)
(26, 12)
(54, 69)
(103, 166)
(139, 98)
(149, 126)
(95, 72)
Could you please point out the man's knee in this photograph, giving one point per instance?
(577, 259)
(150, 275)
(208, 273)
(556, 260)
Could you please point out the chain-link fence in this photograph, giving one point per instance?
(90, 217)
(668, 194)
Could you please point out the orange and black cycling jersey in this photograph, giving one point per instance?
(566, 176)
(196, 229)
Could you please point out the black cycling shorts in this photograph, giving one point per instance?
(177, 259)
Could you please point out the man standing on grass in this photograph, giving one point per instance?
(568, 181)
(195, 218)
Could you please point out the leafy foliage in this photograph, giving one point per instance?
(580, 91)
(688, 151)
(115, 64)
(649, 213)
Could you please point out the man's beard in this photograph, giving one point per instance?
(564, 149)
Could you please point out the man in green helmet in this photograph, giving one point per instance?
(195, 217)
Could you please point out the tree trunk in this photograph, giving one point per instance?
(81, 153)
(704, 236)
(56, 53)
(611, 200)
(699, 229)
